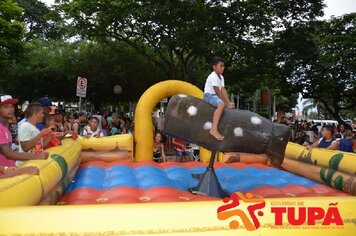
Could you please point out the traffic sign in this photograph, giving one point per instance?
(82, 87)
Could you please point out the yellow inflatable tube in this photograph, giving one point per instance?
(116, 142)
(337, 160)
(145, 106)
(190, 218)
(27, 190)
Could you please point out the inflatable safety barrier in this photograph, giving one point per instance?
(177, 218)
(273, 202)
(333, 178)
(333, 168)
(25, 190)
(123, 142)
(342, 161)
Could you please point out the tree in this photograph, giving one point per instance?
(11, 32)
(321, 63)
(41, 21)
(52, 67)
(175, 35)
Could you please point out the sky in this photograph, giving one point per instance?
(339, 7)
(333, 7)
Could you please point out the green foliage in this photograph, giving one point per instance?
(321, 62)
(11, 32)
(41, 21)
(177, 35)
(51, 68)
(274, 44)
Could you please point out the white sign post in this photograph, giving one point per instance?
(81, 89)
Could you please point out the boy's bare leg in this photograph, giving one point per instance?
(216, 118)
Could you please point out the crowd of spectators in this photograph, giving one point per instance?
(26, 133)
(330, 136)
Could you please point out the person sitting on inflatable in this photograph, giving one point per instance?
(7, 156)
(215, 94)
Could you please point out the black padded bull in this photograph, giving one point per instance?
(190, 119)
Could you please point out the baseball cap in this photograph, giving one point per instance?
(45, 101)
(7, 99)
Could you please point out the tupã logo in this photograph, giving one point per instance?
(250, 223)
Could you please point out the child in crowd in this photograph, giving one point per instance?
(346, 143)
(92, 130)
(47, 107)
(215, 94)
(180, 150)
(158, 148)
(7, 155)
(30, 138)
(326, 141)
(307, 141)
(77, 126)
(59, 120)
(49, 122)
(340, 131)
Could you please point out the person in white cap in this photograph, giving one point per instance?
(7, 156)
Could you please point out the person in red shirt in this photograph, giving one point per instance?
(49, 122)
(181, 150)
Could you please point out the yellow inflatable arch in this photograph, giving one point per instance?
(145, 106)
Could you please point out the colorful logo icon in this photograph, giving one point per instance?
(250, 220)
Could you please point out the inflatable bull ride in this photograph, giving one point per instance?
(190, 119)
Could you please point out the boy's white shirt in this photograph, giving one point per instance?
(213, 80)
(87, 131)
(26, 132)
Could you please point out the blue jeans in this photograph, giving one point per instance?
(212, 99)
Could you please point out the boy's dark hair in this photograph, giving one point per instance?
(215, 60)
(329, 128)
(32, 109)
(94, 118)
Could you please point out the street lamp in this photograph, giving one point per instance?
(117, 89)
